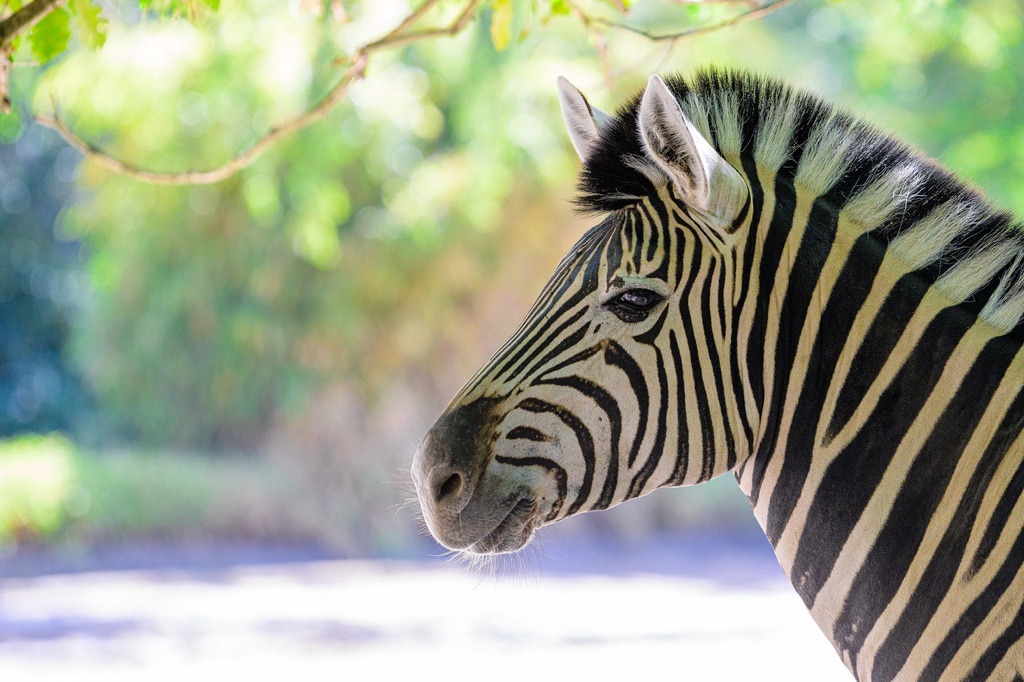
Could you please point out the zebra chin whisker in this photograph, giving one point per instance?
(520, 568)
(409, 498)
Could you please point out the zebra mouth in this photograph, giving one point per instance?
(512, 533)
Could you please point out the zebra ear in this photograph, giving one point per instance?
(705, 180)
(582, 120)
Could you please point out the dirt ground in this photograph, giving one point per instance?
(690, 608)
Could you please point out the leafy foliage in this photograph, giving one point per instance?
(36, 475)
(245, 297)
(50, 36)
(90, 23)
(941, 74)
(501, 23)
(40, 283)
(216, 310)
(329, 298)
(53, 491)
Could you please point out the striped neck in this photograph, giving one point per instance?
(882, 377)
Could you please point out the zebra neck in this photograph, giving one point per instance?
(887, 406)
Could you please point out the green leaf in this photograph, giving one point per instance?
(559, 7)
(190, 9)
(501, 23)
(90, 24)
(50, 36)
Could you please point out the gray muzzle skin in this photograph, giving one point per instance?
(471, 499)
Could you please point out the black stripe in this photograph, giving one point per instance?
(707, 433)
(650, 336)
(716, 371)
(977, 301)
(661, 208)
(528, 433)
(567, 344)
(884, 332)
(873, 160)
(647, 470)
(930, 192)
(533, 327)
(638, 240)
(527, 349)
(848, 295)
(670, 259)
(654, 227)
(695, 261)
(811, 255)
(707, 439)
(683, 455)
(704, 413)
(661, 272)
(740, 396)
(894, 549)
(754, 361)
(684, 216)
(583, 437)
(771, 257)
(806, 122)
(616, 356)
(998, 521)
(606, 402)
(852, 478)
(568, 362)
(722, 304)
(737, 222)
(937, 579)
(561, 478)
(678, 252)
(613, 258)
(981, 607)
(758, 327)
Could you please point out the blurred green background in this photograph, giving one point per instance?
(256, 359)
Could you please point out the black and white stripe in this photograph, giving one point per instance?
(837, 320)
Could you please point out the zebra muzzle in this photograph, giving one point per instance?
(472, 500)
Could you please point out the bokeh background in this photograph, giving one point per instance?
(250, 364)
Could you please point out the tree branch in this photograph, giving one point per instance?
(414, 16)
(400, 35)
(403, 34)
(396, 38)
(226, 170)
(5, 79)
(755, 13)
(749, 3)
(24, 19)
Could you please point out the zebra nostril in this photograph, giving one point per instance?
(450, 487)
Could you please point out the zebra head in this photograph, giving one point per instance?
(624, 376)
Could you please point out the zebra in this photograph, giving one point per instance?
(778, 290)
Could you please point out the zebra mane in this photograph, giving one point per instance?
(933, 221)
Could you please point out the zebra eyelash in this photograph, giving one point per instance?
(635, 304)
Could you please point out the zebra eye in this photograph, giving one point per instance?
(634, 305)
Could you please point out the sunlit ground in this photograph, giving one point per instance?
(687, 608)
